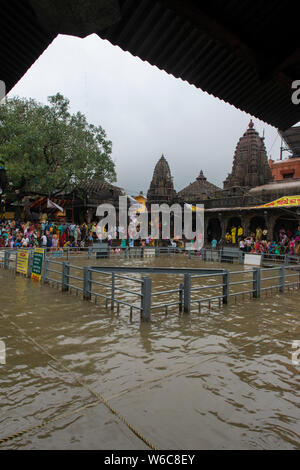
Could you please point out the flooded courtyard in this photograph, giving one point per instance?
(79, 376)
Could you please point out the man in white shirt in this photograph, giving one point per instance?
(44, 241)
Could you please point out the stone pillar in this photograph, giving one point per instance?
(89, 214)
(206, 222)
(270, 223)
(223, 223)
(246, 224)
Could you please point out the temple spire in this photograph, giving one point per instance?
(250, 162)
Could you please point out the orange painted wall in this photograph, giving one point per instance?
(285, 167)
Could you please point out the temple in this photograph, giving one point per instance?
(250, 162)
(161, 188)
(252, 195)
(198, 190)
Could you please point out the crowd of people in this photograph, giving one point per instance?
(15, 234)
(54, 236)
(286, 242)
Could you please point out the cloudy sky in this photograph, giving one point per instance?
(144, 111)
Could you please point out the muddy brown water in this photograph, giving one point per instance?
(219, 379)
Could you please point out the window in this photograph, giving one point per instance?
(288, 175)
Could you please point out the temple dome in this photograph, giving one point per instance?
(250, 162)
(161, 187)
(199, 189)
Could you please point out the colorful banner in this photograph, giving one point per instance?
(37, 264)
(22, 261)
(286, 201)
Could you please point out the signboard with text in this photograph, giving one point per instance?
(22, 262)
(37, 264)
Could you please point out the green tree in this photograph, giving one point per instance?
(45, 149)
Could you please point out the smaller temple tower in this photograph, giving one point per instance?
(198, 190)
(161, 188)
(250, 162)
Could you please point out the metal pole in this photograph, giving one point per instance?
(146, 298)
(256, 282)
(65, 276)
(281, 278)
(46, 268)
(225, 287)
(6, 259)
(16, 259)
(187, 293)
(87, 283)
(180, 296)
(30, 259)
(112, 290)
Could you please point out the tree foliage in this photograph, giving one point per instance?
(45, 149)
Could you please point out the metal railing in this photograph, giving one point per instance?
(116, 285)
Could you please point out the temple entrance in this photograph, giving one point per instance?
(214, 230)
(288, 223)
(256, 222)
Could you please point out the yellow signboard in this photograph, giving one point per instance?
(9, 215)
(22, 261)
(286, 201)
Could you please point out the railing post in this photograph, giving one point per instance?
(281, 278)
(46, 270)
(68, 253)
(146, 298)
(256, 282)
(112, 290)
(127, 252)
(65, 276)
(225, 278)
(203, 254)
(187, 293)
(30, 259)
(87, 283)
(89, 252)
(180, 296)
(142, 252)
(16, 264)
(6, 259)
(157, 251)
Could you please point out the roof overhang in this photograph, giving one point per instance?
(245, 53)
